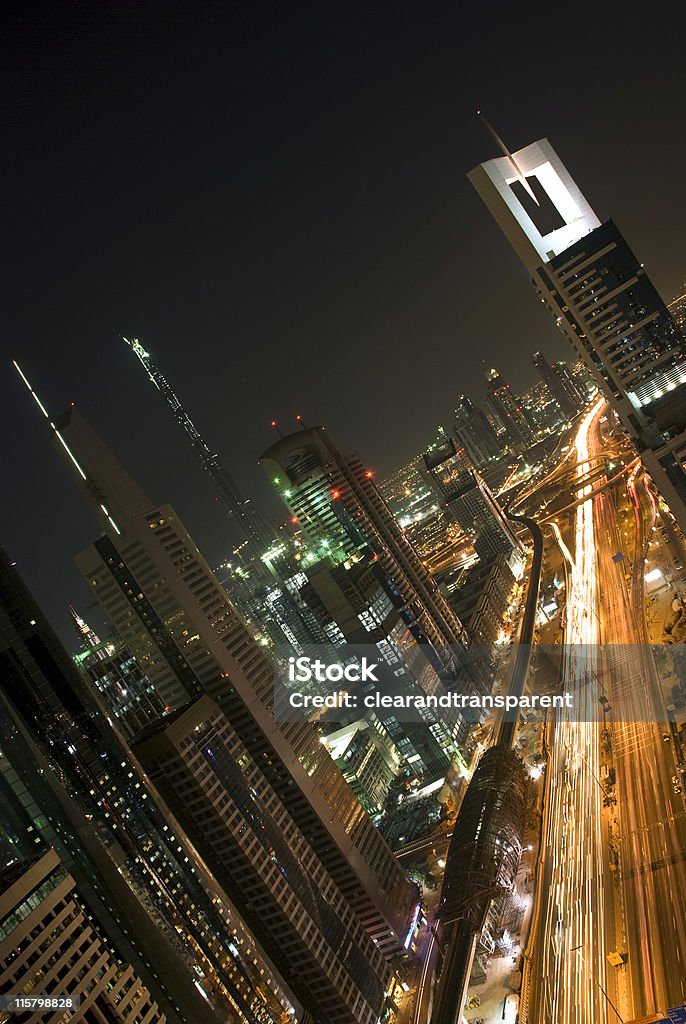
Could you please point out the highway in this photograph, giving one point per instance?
(582, 915)
(584, 910)
(569, 947)
(651, 817)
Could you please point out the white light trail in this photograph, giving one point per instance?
(572, 908)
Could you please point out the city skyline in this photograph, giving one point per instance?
(343, 552)
(414, 209)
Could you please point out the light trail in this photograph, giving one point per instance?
(562, 546)
(651, 820)
(569, 973)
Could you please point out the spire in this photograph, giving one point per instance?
(520, 176)
(88, 637)
(248, 521)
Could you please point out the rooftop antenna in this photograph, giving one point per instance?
(277, 428)
(521, 178)
(300, 421)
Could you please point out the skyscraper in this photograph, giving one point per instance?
(50, 946)
(68, 783)
(169, 609)
(560, 384)
(602, 299)
(337, 504)
(469, 501)
(364, 580)
(509, 411)
(256, 851)
(249, 582)
(473, 431)
(126, 692)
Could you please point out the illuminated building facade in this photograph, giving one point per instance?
(368, 759)
(508, 411)
(364, 575)
(602, 299)
(341, 511)
(169, 609)
(469, 501)
(50, 945)
(474, 433)
(125, 690)
(68, 782)
(560, 385)
(256, 851)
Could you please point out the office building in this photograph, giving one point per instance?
(560, 385)
(367, 758)
(125, 690)
(601, 297)
(469, 502)
(364, 574)
(507, 410)
(474, 433)
(50, 946)
(67, 782)
(167, 606)
(256, 851)
(341, 511)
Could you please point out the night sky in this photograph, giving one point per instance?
(273, 198)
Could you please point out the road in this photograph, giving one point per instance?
(651, 817)
(567, 981)
(578, 922)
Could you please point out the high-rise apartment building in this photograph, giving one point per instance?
(474, 433)
(51, 947)
(602, 299)
(256, 851)
(171, 612)
(68, 782)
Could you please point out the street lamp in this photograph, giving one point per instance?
(577, 949)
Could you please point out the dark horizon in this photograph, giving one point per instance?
(276, 204)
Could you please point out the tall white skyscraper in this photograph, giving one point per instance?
(603, 300)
